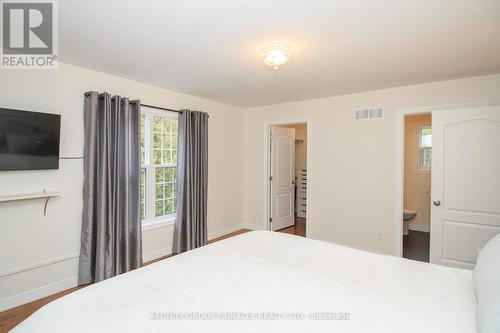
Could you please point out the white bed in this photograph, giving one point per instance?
(266, 272)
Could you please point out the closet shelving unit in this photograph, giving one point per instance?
(302, 193)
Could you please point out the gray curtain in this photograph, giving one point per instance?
(192, 182)
(111, 227)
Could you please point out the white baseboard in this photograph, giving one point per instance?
(55, 287)
(151, 255)
(38, 293)
(252, 226)
(37, 265)
(419, 227)
(148, 256)
(224, 231)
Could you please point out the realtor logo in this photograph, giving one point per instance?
(29, 34)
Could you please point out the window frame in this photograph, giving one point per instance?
(151, 221)
(422, 149)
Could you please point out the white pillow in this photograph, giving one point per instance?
(487, 285)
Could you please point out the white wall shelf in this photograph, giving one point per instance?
(29, 196)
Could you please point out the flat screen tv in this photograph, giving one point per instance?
(29, 140)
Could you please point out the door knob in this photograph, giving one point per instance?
(436, 203)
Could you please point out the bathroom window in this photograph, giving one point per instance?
(425, 140)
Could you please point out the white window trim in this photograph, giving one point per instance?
(160, 221)
(420, 169)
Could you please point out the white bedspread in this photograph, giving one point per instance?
(270, 274)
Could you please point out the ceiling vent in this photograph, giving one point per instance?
(369, 114)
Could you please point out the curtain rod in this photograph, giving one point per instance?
(149, 106)
(160, 108)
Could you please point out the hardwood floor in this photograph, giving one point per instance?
(12, 317)
(299, 229)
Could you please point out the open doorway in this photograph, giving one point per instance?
(464, 181)
(288, 178)
(417, 186)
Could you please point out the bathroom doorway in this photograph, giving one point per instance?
(287, 180)
(417, 186)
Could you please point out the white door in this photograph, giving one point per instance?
(465, 211)
(282, 177)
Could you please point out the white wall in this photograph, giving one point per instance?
(352, 184)
(44, 249)
(417, 182)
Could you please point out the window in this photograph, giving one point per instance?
(425, 139)
(158, 165)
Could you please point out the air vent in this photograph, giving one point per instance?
(369, 114)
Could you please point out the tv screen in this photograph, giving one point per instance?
(29, 140)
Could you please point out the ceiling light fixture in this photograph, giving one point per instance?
(275, 54)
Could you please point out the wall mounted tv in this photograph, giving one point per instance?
(29, 140)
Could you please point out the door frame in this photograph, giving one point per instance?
(401, 113)
(267, 167)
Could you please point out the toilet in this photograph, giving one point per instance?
(408, 215)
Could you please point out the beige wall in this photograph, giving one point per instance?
(417, 182)
(353, 169)
(43, 250)
(352, 185)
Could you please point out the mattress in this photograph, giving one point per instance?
(270, 282)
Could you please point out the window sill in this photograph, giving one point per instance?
(158, 224)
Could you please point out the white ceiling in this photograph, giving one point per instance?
(211, 48)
